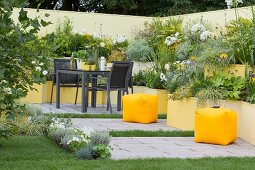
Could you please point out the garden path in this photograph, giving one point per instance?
(151, 147)
(71, 108)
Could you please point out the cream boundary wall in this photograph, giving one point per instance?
(123, 24)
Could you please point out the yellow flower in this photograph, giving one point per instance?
(224, 55)
(87, 36)
(193, 58)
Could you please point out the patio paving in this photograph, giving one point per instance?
(118, 124)
(151, 147)
(71, 108)
(161, 147)
(175, 147)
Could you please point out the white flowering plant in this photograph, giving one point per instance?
(20, 48)
(76, 140)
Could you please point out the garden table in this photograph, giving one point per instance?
(84, 75)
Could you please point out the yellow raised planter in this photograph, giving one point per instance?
(88, 67)
(235, 69)
(67, 94)
(181, 113)
(246, 122)
(40, 95)
(162, 98)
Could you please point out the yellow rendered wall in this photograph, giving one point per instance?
(125, 25)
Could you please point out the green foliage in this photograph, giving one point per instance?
(232, 85)
(23, 56)
(85, 153)
(139, 50)
(139, 79)
(101, 151)
(6, 127)
(156, 31)
(153, 80)
(241, 38)
(63, 39)
(100, 137)
(250, 92)
(139, 7)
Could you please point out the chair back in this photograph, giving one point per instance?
(130, 82)
(119, 75)
(65, 78)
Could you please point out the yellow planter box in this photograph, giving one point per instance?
(235, 69)
(162, 99)
(88, 67)
(181, 113)
(67, 94)
(246, 125)
(37, 96)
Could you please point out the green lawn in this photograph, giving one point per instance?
(41, 153)
(102, 116)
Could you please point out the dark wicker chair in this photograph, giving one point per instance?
(130, 77)
(66, 80)
(117, 80)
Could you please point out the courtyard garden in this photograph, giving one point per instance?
(186, 65)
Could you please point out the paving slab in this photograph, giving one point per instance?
(118, 125)
(168, 147)
(72, 108)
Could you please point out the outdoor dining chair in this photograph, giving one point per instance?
(130, 77)
(117, 80)
(66, 80)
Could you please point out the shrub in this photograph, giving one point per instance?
(100, 137)
(85, 153)
(154, 80)
(139, 79)
(23, 56)
(139, 50)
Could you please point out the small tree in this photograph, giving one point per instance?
(23, 56)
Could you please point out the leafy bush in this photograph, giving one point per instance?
(97, 148)
(7, 128)
(156, 31)
(85, 153)
(100, 137)
(139, 79)
(240, 37)
(87, 143)
(23, 56)
(154, 80)
(32, 122)
(139, 50)
(141, 7)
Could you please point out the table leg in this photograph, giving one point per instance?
(119, 100)
(84, 94)
(57, 91)
(93, 93)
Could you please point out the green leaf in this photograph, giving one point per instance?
(23, 15)
(47, 15)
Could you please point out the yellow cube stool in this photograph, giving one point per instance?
(140, 108)
(215, 126)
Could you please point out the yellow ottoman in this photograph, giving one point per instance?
(140, 108)
(216, 126)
